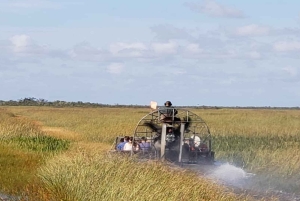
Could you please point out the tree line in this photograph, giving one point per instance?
(31, 101)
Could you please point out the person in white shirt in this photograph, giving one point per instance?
(128, 145)
(197, 140)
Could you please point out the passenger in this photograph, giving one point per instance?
(121, 144)
(197, 140)
(191, 144)
(186, 146)
(136, 146)
(128, 145)
(170, 137)
(203, 147)
(144, 145)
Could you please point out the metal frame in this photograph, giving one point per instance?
(189, 125)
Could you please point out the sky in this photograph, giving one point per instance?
(193, 53)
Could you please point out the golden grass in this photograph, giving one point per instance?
(94, 124)
(24, 147)
(251, 122)
(95, 176)
(261, 141)
(61, 133)
(17, 168)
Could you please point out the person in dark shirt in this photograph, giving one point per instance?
(168, 112)
(144, 145)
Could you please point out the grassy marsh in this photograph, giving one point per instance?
(24, 147)
(261, 141)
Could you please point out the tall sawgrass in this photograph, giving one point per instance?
(23, 148)
(251, 122)
(27, 134)
(94, 124)
(265, 142)
(117, 177)
(17, 169)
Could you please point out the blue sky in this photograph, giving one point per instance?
(201, 52)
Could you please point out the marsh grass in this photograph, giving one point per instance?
(264, 142)
(251, 122)
(94, 124)
(23, 148)
(27, 134)
(101, 177)
(17, 168)
(41, 143)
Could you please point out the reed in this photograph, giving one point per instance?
(23, 148)
(264, 142)
(101, 177)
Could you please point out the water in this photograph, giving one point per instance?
(6, 197)
(230, 174)
(233, 176)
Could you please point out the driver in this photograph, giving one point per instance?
(167, 112)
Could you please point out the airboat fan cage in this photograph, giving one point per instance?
(196, 124)
(195, 128)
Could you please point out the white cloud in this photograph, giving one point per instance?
(286, 46)
(159, 52)
(115, 68)
(213, 8)
(227, 81)
(229, 54)
(20, 43)
(165, 48)
(252, 30)
(193, 48)
(128, 50)
(23, 46)
(254, 55)
(292, 71)
(286, 31)
(115, 48)
(37, 4)
(84, 48)
(117, 52)
(167, 32)
(178, 71)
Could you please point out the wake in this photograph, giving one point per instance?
(238, 178)
(230, 174)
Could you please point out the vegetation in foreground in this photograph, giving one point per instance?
(87, 174)
(257, 140)
(23, 149)
(99, 177)
(75, 175)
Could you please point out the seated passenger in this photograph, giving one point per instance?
(121, 144)
(128, 145)
(203, 147)
(191, 145)
(186, 146)
(170, 137)
(144, 145)
(135, 146)
(196, 139)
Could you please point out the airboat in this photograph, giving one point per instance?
(178, 136)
